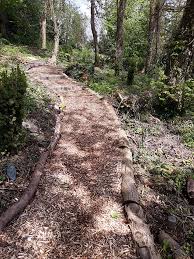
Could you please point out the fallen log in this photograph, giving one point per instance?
(140, 230)
(18, 207)
(174, 246)
(190, 188)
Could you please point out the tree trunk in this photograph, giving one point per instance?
(43, 26)
(57, 22)
(180, 51)
(3, 21)
(121, 6)
(94, 33)
(55, 52)
(154, 33)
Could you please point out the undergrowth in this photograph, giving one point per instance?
(13, 86)
(36, 98)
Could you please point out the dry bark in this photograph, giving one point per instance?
(28, 195)
(174, 246)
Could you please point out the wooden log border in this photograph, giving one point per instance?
(18, 207)
(134, 212)
(174, 246)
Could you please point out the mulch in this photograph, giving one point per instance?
(77, 212)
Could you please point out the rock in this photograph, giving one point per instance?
(11, 172)
(172, 220)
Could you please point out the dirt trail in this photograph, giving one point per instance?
(77, 211)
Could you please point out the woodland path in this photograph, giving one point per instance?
(77, 211)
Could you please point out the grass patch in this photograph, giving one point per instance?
(16, 53)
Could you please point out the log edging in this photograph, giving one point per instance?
(18, 207)
(134, 212)
(145, 246)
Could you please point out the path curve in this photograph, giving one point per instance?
(77, 211)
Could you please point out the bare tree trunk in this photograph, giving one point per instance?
(156, 8)
(55, 52)
(180, 60)
(43, 26)
(3, 21)
(121, 6)
(57, 28)
(94, 33)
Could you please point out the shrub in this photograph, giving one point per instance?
(171, 100)
(166, 100)
(174, 100)
(12, 91)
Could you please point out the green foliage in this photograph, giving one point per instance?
(114, 215)
(14, 51)
(135, 32)
(80, 72)
(102, 87)
(104, 81)
(166, 250)
(84, 56)
(22, 17)
(2, 178)
(166, 100)
(35, 98)
(174, 100)
(12, 54)
(185, 128)
(174, 176)
(12, 91)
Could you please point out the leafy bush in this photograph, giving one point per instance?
(167, 100)
(83, 56)
(185, 128)
(175, 176)
(79, 71)
(102, 87)
(104, 81)
(36, 98)
(12, 91)
(174, 100)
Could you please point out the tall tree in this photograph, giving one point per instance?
(56, 9)
(154, 30)
(121, 6)
(94, 31)
(43, 25)
(180, 51)
(3, 22)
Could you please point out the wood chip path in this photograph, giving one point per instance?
(77, 211)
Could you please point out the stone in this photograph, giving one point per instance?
(11, 172)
